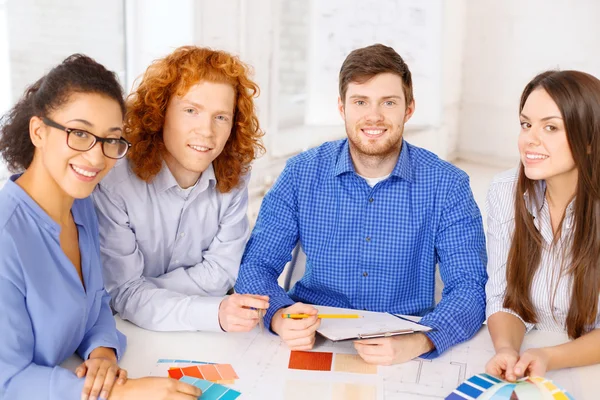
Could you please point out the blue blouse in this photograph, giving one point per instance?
(46, 315)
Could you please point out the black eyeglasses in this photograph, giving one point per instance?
(80, 140)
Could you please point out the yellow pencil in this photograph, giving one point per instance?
(299, 316)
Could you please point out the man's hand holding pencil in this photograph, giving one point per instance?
(297, 333)
(237, 313)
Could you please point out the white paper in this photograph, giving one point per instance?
(370, 323)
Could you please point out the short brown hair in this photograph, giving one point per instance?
(363, 64)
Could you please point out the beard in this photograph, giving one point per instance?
(383, 146)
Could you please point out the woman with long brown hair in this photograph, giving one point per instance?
(544, 230)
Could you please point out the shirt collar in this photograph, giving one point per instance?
(535, 201)
(32, 207)
(165, 180)
(401, 170)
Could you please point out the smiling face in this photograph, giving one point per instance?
(543, 145)
(77, 172)
(374, 113)
(196, 129)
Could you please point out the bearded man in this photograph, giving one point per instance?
(374, 216)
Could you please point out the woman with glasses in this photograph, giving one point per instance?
(65, 134)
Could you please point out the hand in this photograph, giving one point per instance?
(502, 365)
(235, 314)
(298, 334)
(101, 374)
(153, 388)
(393, 350)
(533, 362)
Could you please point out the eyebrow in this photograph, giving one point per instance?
(358, 96)
(88, 123)
(200, 106)
(543, 119)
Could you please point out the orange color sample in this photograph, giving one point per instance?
(310, 360)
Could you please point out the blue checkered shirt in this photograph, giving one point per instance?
(373, 248)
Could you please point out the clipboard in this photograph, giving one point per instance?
(372, 325)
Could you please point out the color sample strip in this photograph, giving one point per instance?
(226, 371)
(310, 360)
(219, 373)
(209, 373)
(491, 392)
(473, 387)
(480, 382)
(175, 373)
(172, 361)
(469, 390)
(490, 378)
(211, 390)
(200, 383)
(193, 371)
(505, 392)
(556, 392)
(456, 396)
(214, 392)
(528, 390)
(350, 391)
(352, 363)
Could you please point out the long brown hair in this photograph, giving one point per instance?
(577, 96)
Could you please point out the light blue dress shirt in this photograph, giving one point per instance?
(45, 313)
(170, 254)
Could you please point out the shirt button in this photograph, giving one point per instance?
(182, 234)
(368, 238)
(176, 261)
(371, 200)
(365, 274)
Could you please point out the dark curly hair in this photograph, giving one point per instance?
(174, 75)
(76, 74)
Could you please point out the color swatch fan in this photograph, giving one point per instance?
(487, 387)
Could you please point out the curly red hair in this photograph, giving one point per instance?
(174, 75)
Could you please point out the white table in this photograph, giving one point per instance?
(261, 362)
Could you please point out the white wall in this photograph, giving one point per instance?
(508, 43)
(153, 28)
(41, 33)
(430, 38)
(443, 137)
(293, 46)
(412, 27)
(44, 32)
